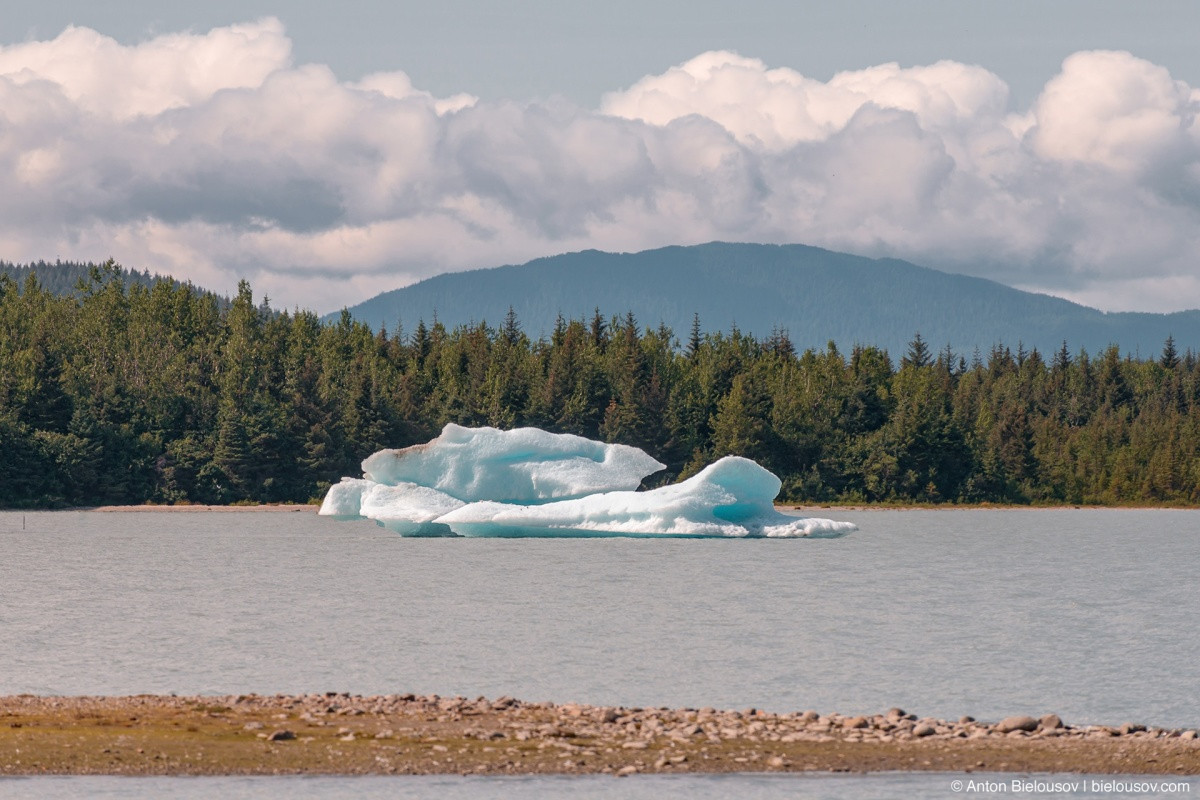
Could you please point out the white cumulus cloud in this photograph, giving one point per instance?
(111, 80)
(778, 108)
(213, 156)
(1117, 112)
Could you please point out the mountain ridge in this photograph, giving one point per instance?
(815, 295)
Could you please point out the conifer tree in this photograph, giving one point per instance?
(1170, 358)
(918, 353)
(694, 338)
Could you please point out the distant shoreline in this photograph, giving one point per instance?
(279, 507)
(338, 733)
(974, 507)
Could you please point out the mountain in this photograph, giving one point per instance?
(814, 294)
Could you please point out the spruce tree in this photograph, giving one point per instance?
(1170, 358)
(694, 340)
(918, 353)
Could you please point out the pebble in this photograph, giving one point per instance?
(1010, 724)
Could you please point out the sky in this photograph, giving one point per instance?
(329, 152)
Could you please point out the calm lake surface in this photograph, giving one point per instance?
(1087, 613)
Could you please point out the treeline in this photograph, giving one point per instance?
(66, 277)
(128, 394)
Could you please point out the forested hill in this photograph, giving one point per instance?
(162, 394)
(63, 277)
(815, 295)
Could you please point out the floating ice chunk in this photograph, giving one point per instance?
(558, 485)
(524, 465)
(344, 500)
(405, 508)
(731, 497)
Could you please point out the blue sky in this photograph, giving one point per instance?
(332, 151)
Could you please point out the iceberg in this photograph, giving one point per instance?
(524, 465)
(483, 482)
(732, 497)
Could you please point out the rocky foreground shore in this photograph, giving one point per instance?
(397, 734)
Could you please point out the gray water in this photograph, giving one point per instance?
(1086, 613)
(1090, 614)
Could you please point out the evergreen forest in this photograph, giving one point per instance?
(140, 391)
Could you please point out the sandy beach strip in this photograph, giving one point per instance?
(405, 734)
(278, 508)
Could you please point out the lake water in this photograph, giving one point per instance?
(1086, 613)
